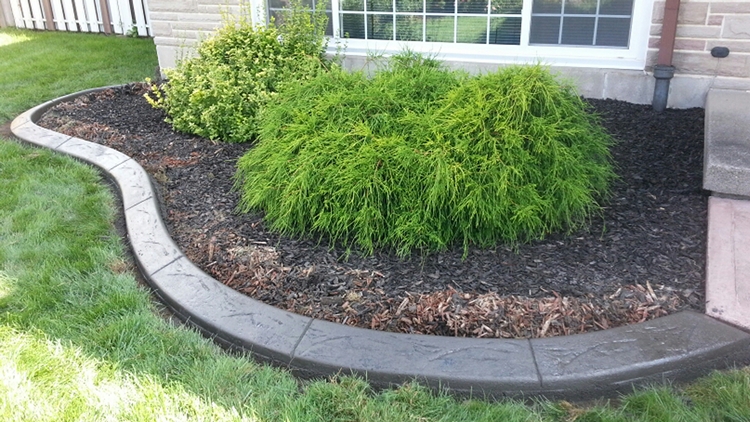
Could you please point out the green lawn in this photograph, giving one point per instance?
(81, 341)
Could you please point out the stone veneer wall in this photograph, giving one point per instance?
(702, 25)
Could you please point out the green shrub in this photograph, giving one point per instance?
(420, 157)
(218, 93)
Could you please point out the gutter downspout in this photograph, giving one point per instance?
(664, 71)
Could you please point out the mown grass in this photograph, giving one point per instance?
(80, 341)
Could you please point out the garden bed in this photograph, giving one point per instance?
(642, 258)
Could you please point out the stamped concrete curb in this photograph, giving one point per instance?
(678, 347)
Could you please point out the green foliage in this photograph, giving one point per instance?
(218, 93)
(420, 157)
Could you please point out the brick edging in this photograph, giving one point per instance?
(677, 347)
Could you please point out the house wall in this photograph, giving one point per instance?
(6, 16)
(702, 25)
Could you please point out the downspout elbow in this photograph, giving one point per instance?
(664, 71)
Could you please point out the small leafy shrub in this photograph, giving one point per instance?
(420, 157)
(218, 93)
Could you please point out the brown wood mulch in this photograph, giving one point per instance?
(643, 258)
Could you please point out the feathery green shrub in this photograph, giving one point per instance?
(420, 157)
(218, 93)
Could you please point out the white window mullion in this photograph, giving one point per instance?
(364, 8)
(258, 13)
(336, 19)
(526, 22)
(489, 14)
(455, 21)
(394, 19)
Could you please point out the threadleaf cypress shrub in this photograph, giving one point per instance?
(218, 93)
(421, 157)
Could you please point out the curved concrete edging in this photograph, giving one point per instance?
(678, 347)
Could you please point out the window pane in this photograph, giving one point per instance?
(352, 5)
(505, 31)
(352, 26)
(380, 5)
(408, 5)
(616, 7)
(579, 7)
(278, 4)
(547, 6)
(613, 32)
(439, 29)
(440, 6)
(578, 31)
(472, 6)
(471, 30)
(544, 30)
(380, 27)
(506, 7)
(409, 28)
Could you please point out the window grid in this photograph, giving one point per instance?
(335, 10)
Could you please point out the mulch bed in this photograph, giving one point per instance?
(642, 258)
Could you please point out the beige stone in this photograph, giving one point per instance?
(588, 81)
(692, 63)
(715, 19)
(161, 29)
(655, 30)
(196, 26)
(172, 5)
(698, 31)
(730, 7)
(692, 13)
(163, 16)
(658, 14)
(686, 91)
(735, 46)
(736, 27)
(627, 85)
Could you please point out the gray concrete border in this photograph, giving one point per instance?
(674, 348)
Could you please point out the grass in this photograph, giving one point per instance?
(81, 341)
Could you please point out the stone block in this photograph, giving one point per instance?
(692, 13)
(632, 86)
(734, 46)
(658, 13)
(686, 91)
(730, 7)
(588, 81)
(726, 164)
(698, 31)
(172, 5)
(702, 63)
(717, 20)
(736, 27)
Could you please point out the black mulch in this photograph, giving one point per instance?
(643, 258)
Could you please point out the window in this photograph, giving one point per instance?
(605, 33)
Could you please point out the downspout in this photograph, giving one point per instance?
(664, 71)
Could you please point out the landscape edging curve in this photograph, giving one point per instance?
(673, 348)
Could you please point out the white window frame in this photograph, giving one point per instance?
(632, 57)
